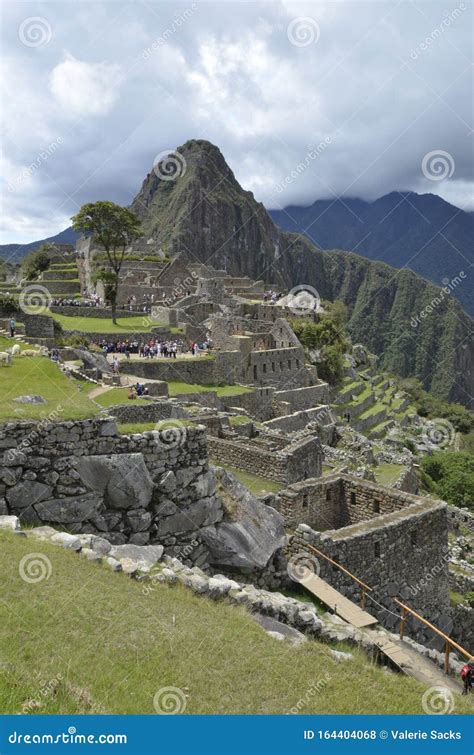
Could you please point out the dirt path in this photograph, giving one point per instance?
(99, 390)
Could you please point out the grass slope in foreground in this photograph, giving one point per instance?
(41, 376)
(113, 645)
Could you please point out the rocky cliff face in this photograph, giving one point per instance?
(204, 213)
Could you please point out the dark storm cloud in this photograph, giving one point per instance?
(306, 100)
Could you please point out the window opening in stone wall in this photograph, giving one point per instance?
(376, 507)
(353, 498)
(413, 538)
(377, 549)
(328, 494)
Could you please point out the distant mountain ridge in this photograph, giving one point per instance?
(403, 229)
(16, 252)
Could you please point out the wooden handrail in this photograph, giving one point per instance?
(342, 568)
(436, 630)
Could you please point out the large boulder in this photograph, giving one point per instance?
(68, 510)
(205, 512)
(27, 493)
(250, 532)
(122, 479)
(93, 361)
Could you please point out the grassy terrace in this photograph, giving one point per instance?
(253, 482)
(180, 389)
(39, 375)
(138, 324)
(387, 474)
(72, 629)
(117, 396)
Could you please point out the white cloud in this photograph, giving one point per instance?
(85, 88)
(386, 82)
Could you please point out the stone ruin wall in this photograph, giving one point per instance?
(289, 464)
(157, 485)
(337, 501)
(399, 555)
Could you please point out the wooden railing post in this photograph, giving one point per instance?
(403, 619)
(447, 650)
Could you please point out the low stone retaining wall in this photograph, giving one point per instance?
(153, 411)
(305, 398)
(101, 312)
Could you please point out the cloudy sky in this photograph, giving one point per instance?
(365, 98)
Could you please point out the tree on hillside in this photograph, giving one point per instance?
(36, 262)
(114, 227)
(329, 337)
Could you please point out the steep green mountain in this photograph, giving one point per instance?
(205, 214)
(419, 231)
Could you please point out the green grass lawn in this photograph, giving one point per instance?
(128, 428)
(239, 419)
(138, 324)
(7, 343)
(117, 396)
(98, 642)
(253, 482)
(387, 474)
(39, 375)
(178, 389)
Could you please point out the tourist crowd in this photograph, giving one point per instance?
(152, 348)
(272, 296)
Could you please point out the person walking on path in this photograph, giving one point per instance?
(12, 327)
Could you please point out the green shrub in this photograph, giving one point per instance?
(452, 475)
